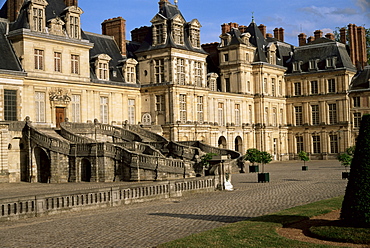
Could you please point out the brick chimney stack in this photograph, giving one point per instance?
(302, 39)
(357, 46)
(226, 27)
(139, 34)
(276, 33)
(330, 36)
(310, 39)
(242, 29)
(343, 38)
(268, 35)
(13, 8)
(162, 3)
(281, 34)
(262, 28)
(116, 27)
(318, 34)
(69, 3)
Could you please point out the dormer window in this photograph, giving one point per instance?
(225, 39)
(312, 64)
(194, 31)
(297, 66)
(72, 20)
(178, 33)
(37, 15)
(129, 70)
(102, 67)
(271, 51)
(158, 35)
(330, 63)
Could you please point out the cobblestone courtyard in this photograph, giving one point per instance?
(151, 223)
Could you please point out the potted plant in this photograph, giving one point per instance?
(264, 158)
(346, 159)
(252, 155)
(304, 157)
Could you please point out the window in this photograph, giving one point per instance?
(316, 144)
(297, 66)
(297, 89)
(178, 33)
(312, 64)
(247, 57)
(159, 103)
(183, 108)
(356, 102)
(227, 84)
(130, 74)
(131, 111)
(314, 87)
(221, 119)
(267, 116)
(104, 109)
(39, 59)
(333, 143)
(356, 120)
(250, 114)
(274, 117)
(195, 37)
(315, 114)
(331, 85)
(200, 117)
(103, 71)
(74, 27)
(198, 73)
(249, 86)
(75, 64)
(265, 85)
(226, 57)
(280, 88)
(281, 116)
(299, 142)
(57, 62)
(181, 71)
(332, 113)
(237, 114)
(330, 62)
(159, 71)
(158, 34)
(10, 105)
(273, 90)
(38, 19)
(76, 108)
(40, 106)
(298, 115)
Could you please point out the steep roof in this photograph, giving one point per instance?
(257, 40)
(361, 81)
(6, 51)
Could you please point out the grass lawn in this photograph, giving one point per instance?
(259, 231)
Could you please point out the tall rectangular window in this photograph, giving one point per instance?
(57, 62)
(314, 87)
(131, 111)
(74, 25)
(181, 71)
(75, 64)
(315, 114)
(333, 143)
(159, 37)
(297, 89)
(331, 86)
(237, 115)
(200, 107)
(250, 114)
(182, 103)
(316, 144)
(267, 121)
(273, 90)
(130, 74)
(198, 73)
(299, 142)
(159, 71)
(40, 106)
(104, 110)
(159, 103)
(274, 117)
(332, 113)
(38, 19)
(356, 102)
(227, 84)
(356, 119)
(298, 115)
(10, 105)
(103, 71)
(39, 59)
(76, 108)
(221, 118)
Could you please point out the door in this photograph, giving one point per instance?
(60, 116)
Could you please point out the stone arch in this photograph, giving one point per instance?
(222, 142)
(238, 144)
(86, 170)
(43, 165)
(146, 119)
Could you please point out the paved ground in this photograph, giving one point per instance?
(149, 224)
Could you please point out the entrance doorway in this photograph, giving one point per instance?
(43, 166)
(238, 144)
(60, 116)
(85, 170)
(222, 142)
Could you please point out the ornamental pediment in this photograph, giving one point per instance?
(158, 18)
(102, 56)
(178, 18)
(74, 9)
(39, 2)
(59, 95)
(195, 23)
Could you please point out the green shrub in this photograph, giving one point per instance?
(356, 203)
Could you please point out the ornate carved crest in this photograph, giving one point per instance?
(59, 96)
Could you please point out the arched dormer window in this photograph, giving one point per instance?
(37, 15)
(194, 33)
(225, 39)
(73, 23)
(129, 70)
(159, 30)
(102, 66)
(212, 81)
(271, 52)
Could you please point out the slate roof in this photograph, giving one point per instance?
(6, 51)
(361, 81)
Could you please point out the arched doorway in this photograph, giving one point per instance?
(85, 170)
(222, 142)
(43, 166)
(238, 144)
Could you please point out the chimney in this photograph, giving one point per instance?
(361, 48)
(330, 36)
(268, 35)
(69, 3)
(243, 29)
(352, 42)
(318, 34)
(116, 27)
(281, 34)
(276, 34)
(161, 4)
(262, 28)
(343, 37)
(13, 8)
(302, 39)
(226, 27)
(310, 39)
(139, 34)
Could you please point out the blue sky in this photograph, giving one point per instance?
(294, 16)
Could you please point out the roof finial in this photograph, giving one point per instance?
(176, 1)
(252, 16)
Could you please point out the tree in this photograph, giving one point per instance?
(346, 158)
(265, 158)
(304, 157)
(204, 160)
(253, 155)
(355, 206)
